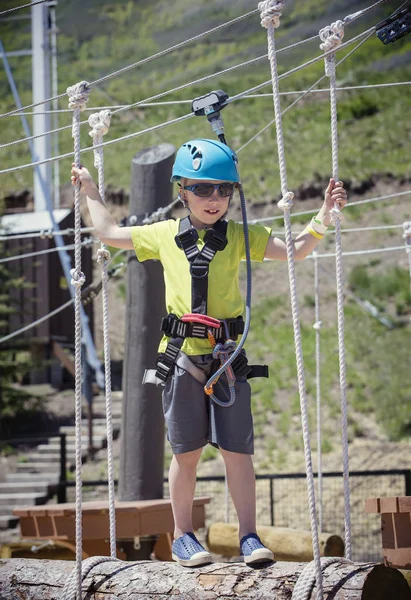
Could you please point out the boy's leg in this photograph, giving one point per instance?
(241, 483)
(182, 482)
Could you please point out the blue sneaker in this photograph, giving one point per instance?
(253, 550)
(188, 551)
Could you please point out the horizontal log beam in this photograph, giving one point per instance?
(28, 579)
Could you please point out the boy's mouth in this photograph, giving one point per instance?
(211, 211)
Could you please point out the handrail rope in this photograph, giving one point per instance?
(303, 94)
(327, 255)
(271, 11)
(151, 218)
(87, 242)
(178, 119)
(48, 315)
(358, 252)
(351, 204)
(78, 96)
(44, 233)
(147, 100)
(9, 10)
(100, 123)
(317, 328)
(251, 96)
(331, 37)
(143, 61)
(348, 230)
(407, 241)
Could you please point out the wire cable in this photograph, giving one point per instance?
(9, 10)
(87, 242)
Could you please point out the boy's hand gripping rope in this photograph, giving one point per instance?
(331, 38)
(270, 14)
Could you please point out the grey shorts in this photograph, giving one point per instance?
(193, 419)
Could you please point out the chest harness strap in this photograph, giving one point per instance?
(198, 324)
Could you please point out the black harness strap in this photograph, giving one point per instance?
(214, 240)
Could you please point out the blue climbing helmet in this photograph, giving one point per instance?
(209, 160)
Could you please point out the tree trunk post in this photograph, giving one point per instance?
(142, 429)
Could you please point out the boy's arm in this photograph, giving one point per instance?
(106, 228)
(307, 240)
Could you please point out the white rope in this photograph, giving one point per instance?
(87, 242)
(306, 581)
(100, 123)
(331, 38)
(270, 13)
(78, 96)
(317, 328)
(407, 240)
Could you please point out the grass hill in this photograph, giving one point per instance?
(96, 38)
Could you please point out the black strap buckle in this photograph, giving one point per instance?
(215, 239)
(186, 238)
(199, 269)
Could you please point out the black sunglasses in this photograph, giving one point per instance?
(205, 190)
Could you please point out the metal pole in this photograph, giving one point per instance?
(41, 91)
(54, 92)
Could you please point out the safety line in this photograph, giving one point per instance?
(156, 127)
(147, 102)
(9, 10)
(349, 205)
(50, 314)
(44, 233)
(87, 242)
(143, 61)
(360, 252)
(251, 96)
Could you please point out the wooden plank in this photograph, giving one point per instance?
(389, 504)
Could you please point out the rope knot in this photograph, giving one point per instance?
(331, 37)
(100, 123)
(78, 95)
(103, 255)
(317, 325)
(77, 278)
(271, 11)
(286, 201)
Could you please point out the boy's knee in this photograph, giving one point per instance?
(188, 458)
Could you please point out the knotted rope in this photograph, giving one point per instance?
(286, 203)
(100, 123)
(331, 37)
(78, 96)
(317, 328)
(306, 581)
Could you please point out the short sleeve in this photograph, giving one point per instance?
(145, 240)
(258, 237)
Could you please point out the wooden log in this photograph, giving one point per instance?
(287, 544)
(28, 579)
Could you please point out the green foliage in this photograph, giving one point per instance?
(378, 285)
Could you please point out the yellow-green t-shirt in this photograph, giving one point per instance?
(157, 242)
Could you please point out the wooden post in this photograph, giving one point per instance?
(142, 429)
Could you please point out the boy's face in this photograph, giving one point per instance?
(206, 210)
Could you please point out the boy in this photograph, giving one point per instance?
(199, 287)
